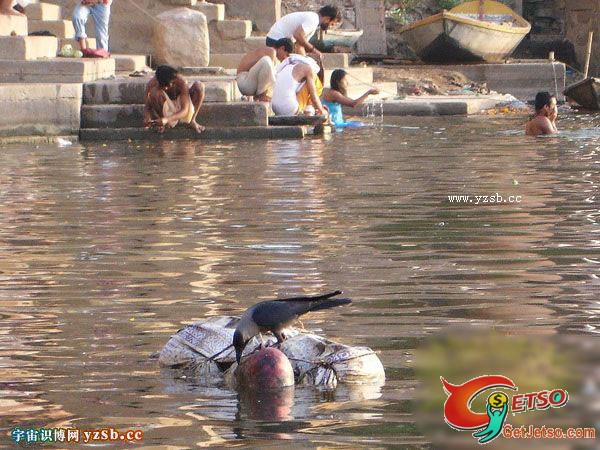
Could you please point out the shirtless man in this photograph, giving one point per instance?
(544, 121)
(301, 25)
(169, 100)
(256, 71)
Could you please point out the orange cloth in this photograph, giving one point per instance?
(303, 96)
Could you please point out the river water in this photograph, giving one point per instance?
(106, 250)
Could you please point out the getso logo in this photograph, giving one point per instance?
(458, 413)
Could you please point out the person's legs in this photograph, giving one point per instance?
(80, 17)
(197, 98)
(101, 15)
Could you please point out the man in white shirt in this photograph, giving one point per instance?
(300, 26)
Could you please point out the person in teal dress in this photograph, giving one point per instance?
(336, 96)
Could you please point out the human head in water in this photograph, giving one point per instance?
(338, 81)
(545, 103)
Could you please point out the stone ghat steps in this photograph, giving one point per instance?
(131, 90)
(56, 70)
(13, 25)
(140, 134)
(232, 60)
(27, 48)
(221, 115)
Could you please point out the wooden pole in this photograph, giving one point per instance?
(480, 10)
(588, 54)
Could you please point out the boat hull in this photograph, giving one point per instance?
(586, 93)
(448, 40)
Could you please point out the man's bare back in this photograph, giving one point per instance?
(251, 58)
(539, 125)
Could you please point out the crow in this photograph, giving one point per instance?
(275, 315)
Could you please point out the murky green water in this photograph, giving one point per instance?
(106, 250)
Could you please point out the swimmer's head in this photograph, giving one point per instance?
(544, 100)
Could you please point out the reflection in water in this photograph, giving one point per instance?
(105, 251)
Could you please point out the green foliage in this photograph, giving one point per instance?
(400, 10)
(449, 4)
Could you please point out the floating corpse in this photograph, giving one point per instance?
(204, 350)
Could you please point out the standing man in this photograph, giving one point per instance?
(100, 11)
(256, 71)
(168, 100)
(300, 26)
(544, 121)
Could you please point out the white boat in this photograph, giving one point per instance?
(481, 30)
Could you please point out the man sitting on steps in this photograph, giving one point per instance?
(169, 100)
(256, 71)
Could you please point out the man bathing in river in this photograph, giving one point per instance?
(256, 71)
(544, 121)
(168, 100)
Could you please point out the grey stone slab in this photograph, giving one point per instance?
(40, 109)
(242, 133)
(131, 90)
(243, 114)
(56, 70)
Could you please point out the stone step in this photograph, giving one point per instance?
(26, 48)
(43, 11)
(40, 109)
(13, 25)
(262, 13)
(237, 46)
(232, 60)
(242, 114)
(212, 11)
(131, 90)
(91, 42)
(56, 70)
(140, 134)
(230, 29)
(129, 63)
(59, 28)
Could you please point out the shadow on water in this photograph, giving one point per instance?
(107, 249)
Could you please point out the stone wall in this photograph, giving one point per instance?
(581, 17)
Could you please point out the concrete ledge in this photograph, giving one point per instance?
(59, 28)
(43, 11)
(40, 109)
(522, 78)
(242, 114)
(56, 70)
(29, 139)
(436, 105)
(26, 48)
(131, 90)
(129, 63)
(13, 24)
(137, 134)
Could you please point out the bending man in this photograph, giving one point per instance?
(168, 100)
(256, 71)
(301, 25)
